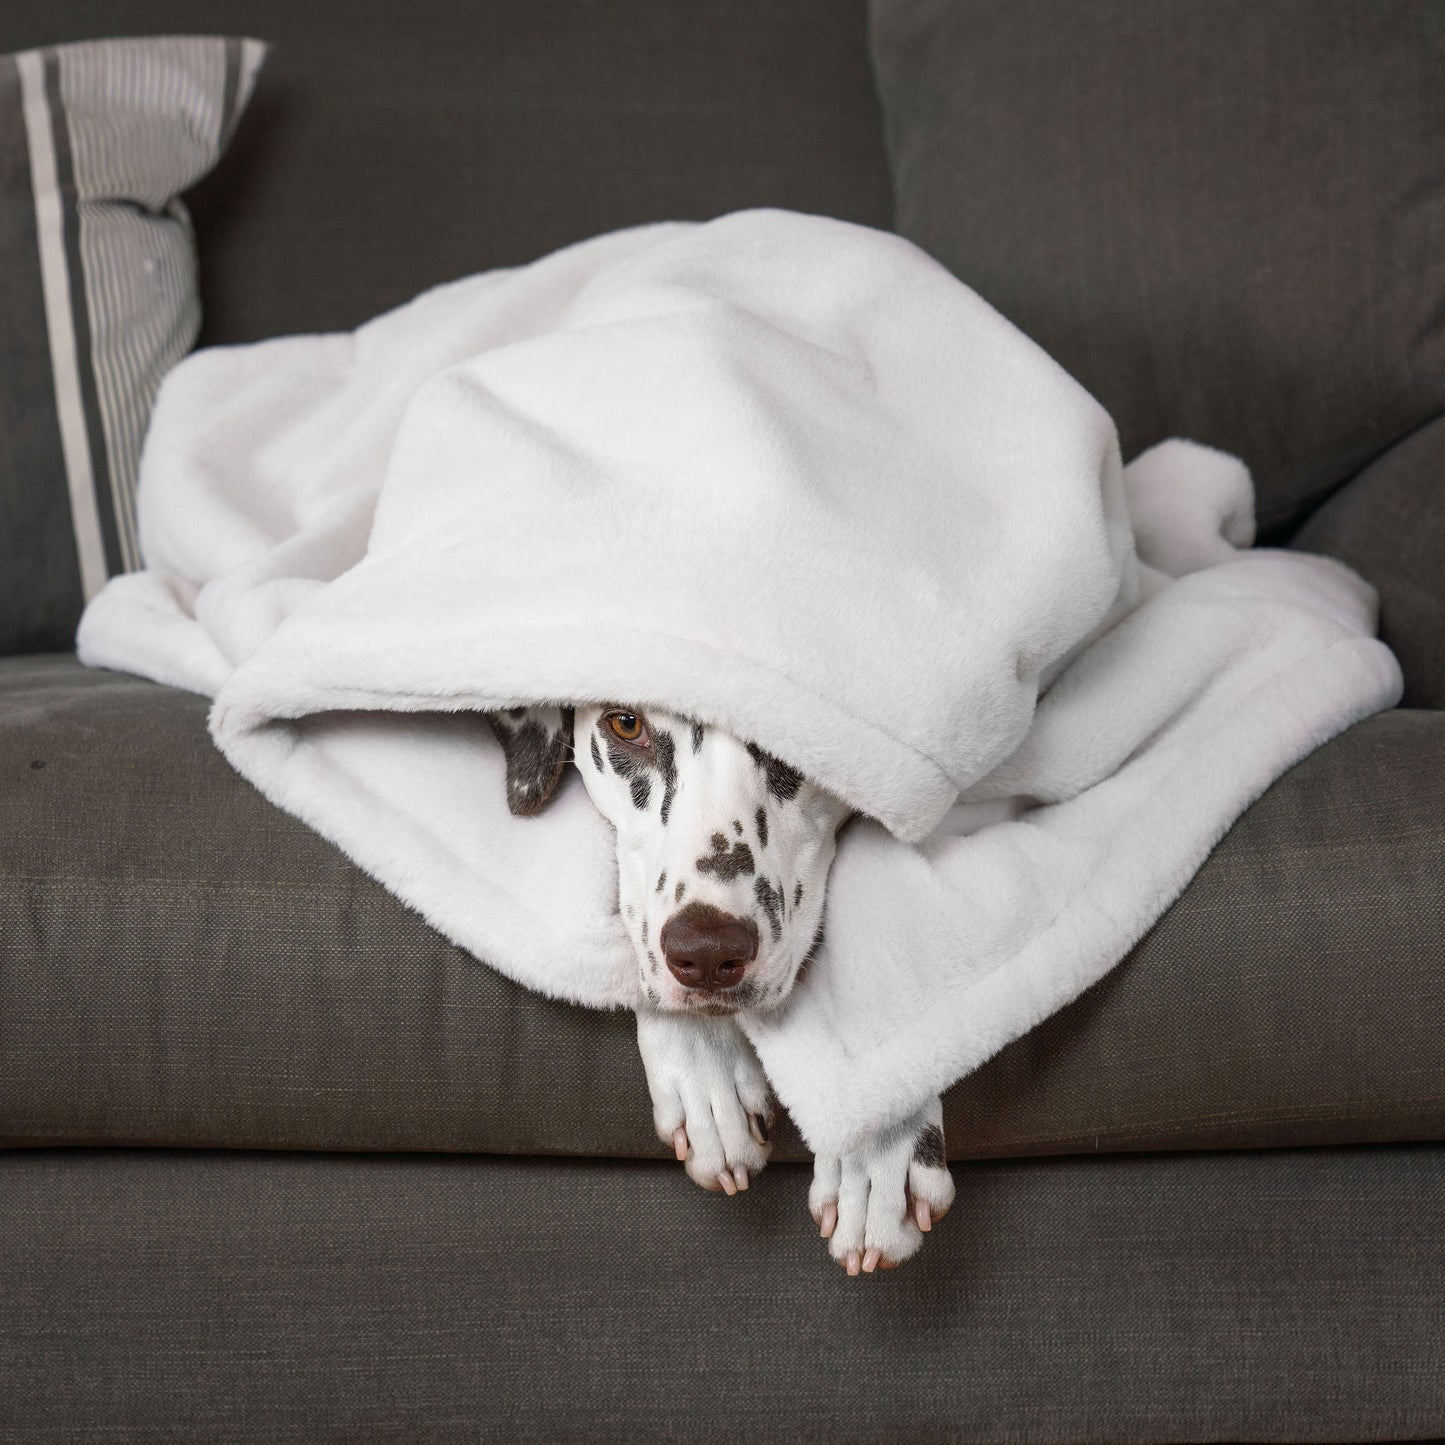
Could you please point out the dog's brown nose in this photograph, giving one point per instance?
(708, 949)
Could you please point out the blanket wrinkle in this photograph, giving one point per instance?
(790, 477)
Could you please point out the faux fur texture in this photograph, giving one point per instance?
(787, 476)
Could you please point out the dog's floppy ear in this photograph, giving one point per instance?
(536, 742)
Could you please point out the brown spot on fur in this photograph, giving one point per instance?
(783, 781)
(634, 767)
(770, 900)
(536, 751)
(727, 861)
(666, 751)
(929, 1150)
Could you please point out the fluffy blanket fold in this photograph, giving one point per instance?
(788, 476)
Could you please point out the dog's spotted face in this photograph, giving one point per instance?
(723, 851)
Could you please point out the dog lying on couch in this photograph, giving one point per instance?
(1045, 681)
(723, 855)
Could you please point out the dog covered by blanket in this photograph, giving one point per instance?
(789, 479)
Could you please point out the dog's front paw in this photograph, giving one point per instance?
(875, 1206)
(710, 1099)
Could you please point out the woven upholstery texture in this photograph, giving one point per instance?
(1276, 1295)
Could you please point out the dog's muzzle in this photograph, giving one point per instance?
(707, 949)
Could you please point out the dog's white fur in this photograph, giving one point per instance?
(725, 834)
(699, 816)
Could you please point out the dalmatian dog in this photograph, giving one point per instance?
(723, 854)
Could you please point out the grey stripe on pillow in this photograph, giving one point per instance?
(113, 131)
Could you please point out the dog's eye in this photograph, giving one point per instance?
(628, 727)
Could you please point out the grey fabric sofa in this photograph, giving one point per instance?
(279, 1163)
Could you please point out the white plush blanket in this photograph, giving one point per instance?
(787, 476)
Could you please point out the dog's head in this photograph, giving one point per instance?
(723, 851)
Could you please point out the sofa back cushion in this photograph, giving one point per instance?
(1224, 218)
(393, 146)
(1389, 525)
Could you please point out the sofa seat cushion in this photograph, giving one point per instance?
(183, 964)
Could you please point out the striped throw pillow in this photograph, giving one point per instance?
(98, 296)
